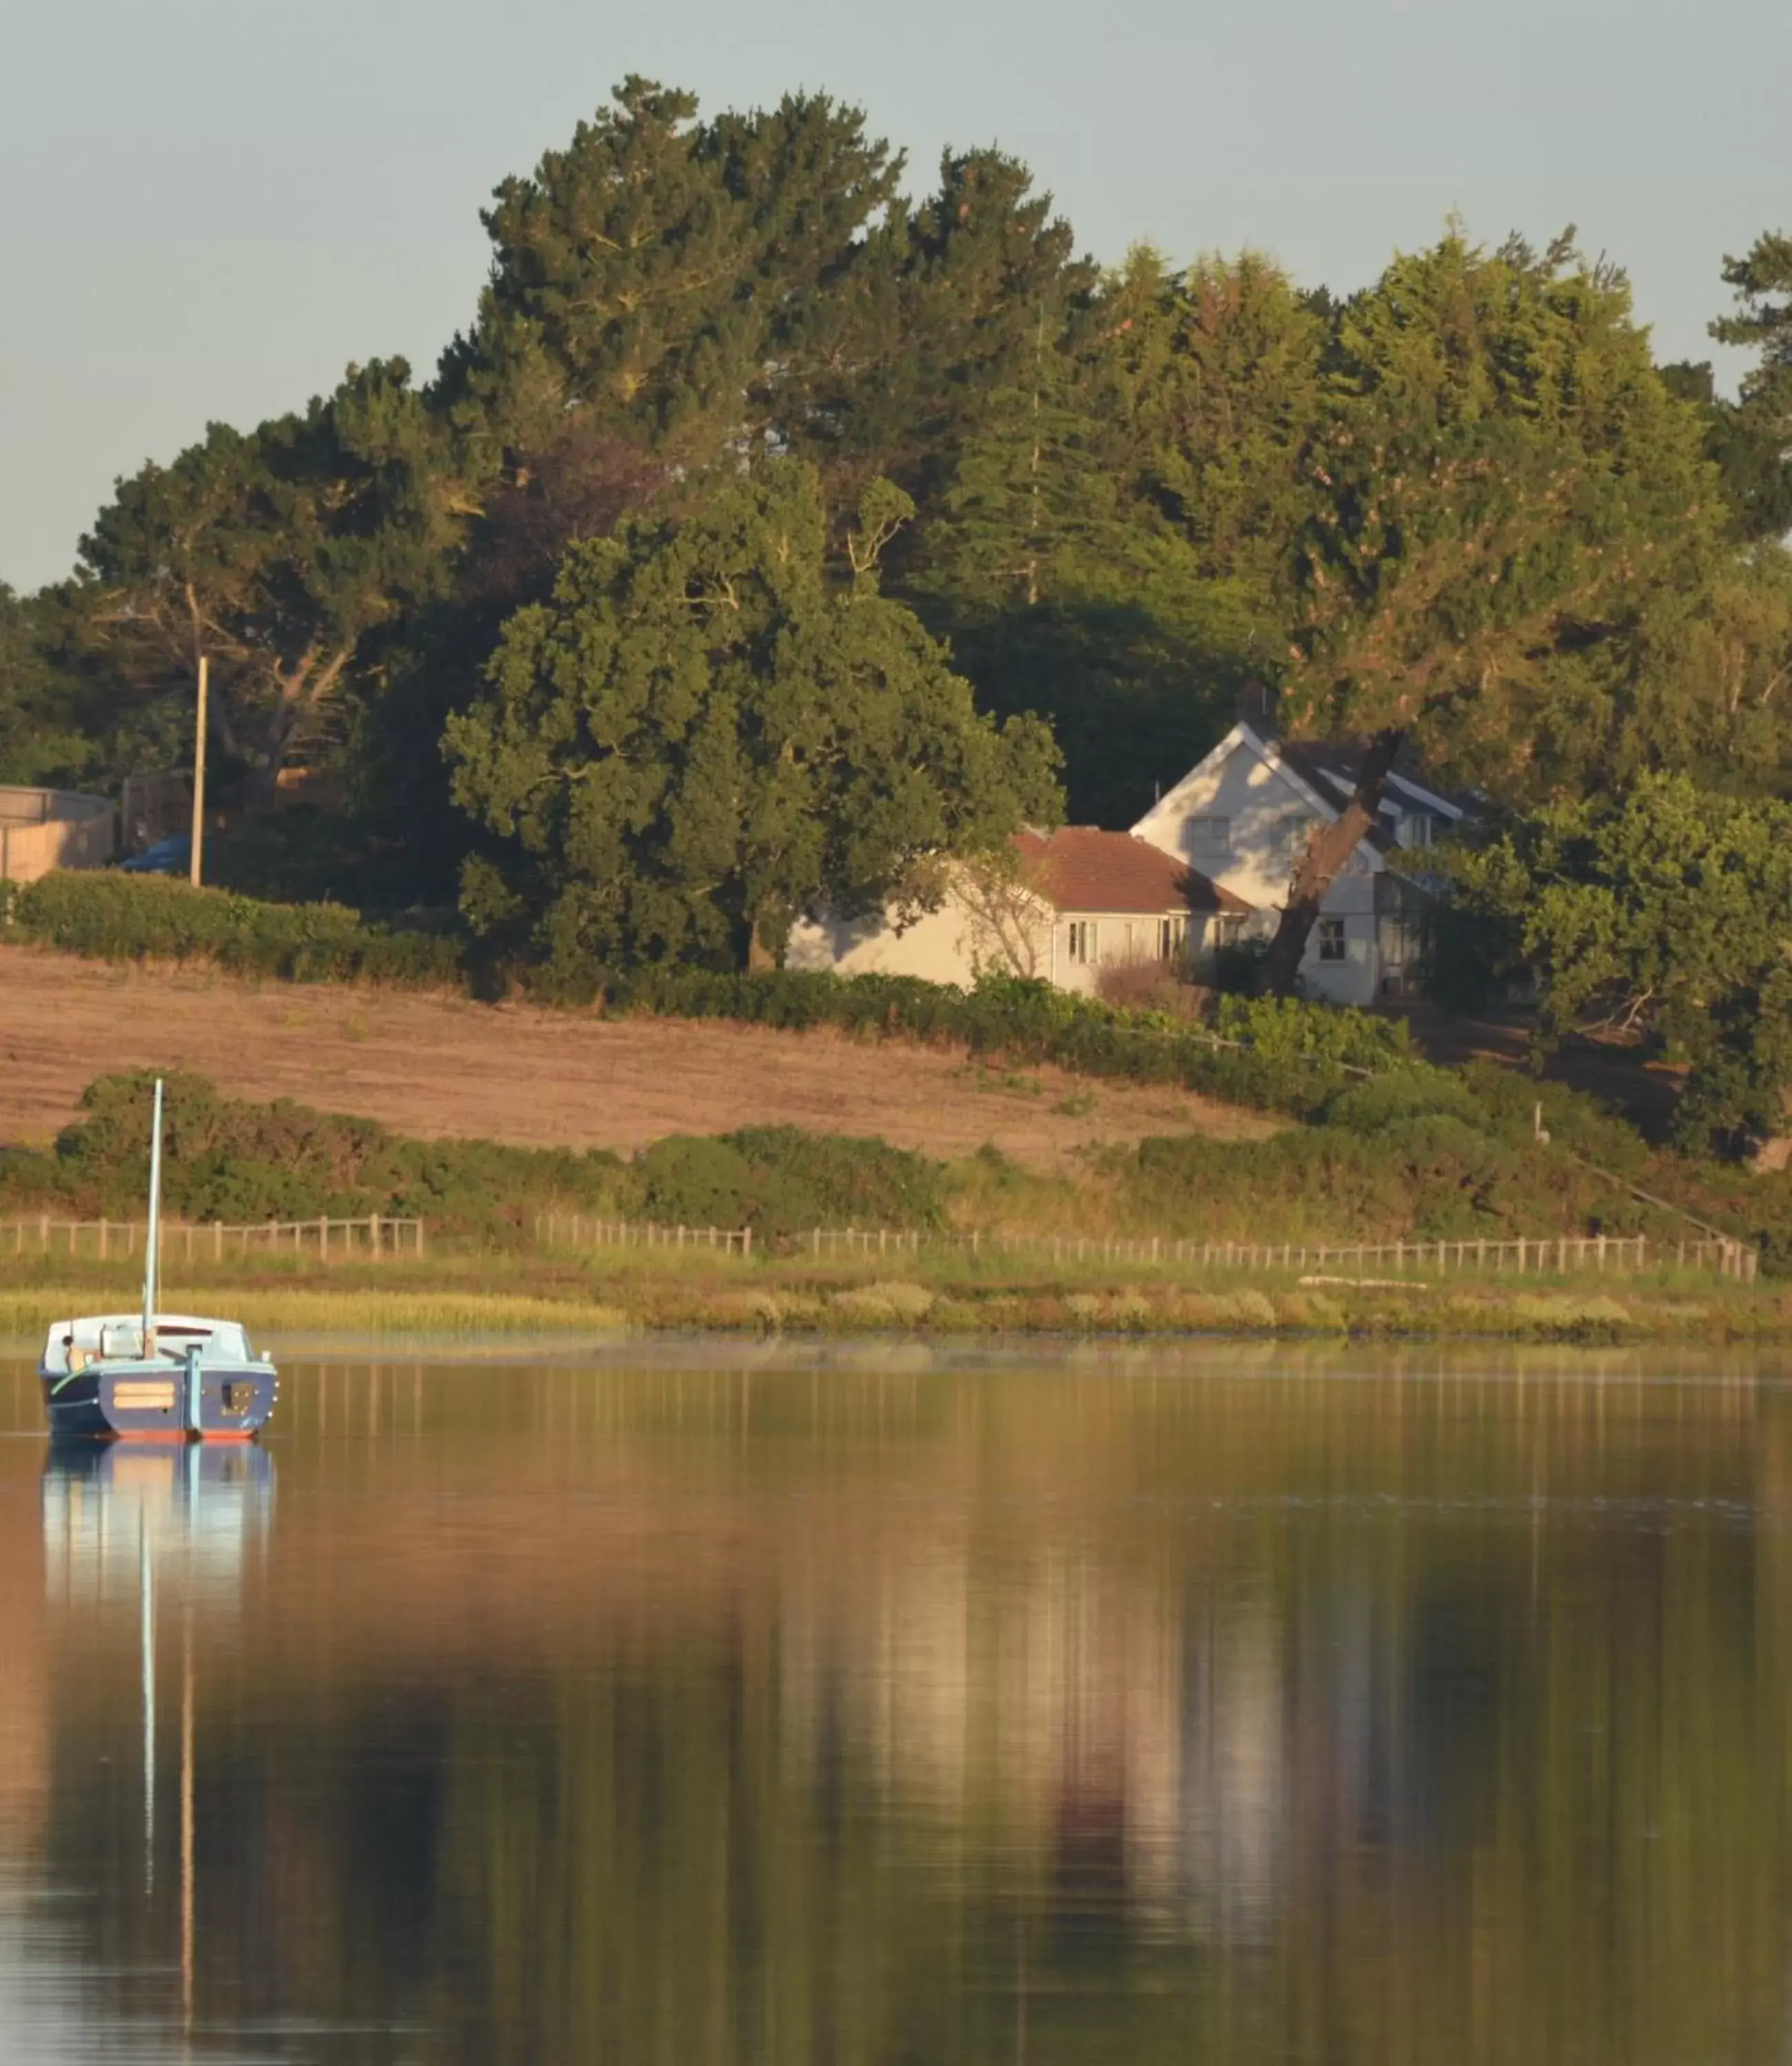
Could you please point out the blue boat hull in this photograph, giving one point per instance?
(152, 1402)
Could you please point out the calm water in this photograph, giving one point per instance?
(1137, 1709)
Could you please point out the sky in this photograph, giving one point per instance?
(207, 208)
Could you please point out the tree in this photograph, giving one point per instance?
(1664, 911)
(1010, 917)
(1503, 477)
(1753, 439)
(707, 731)
(1216, 374)
(277, 555)
(1068, 583)
(1698, 680)
(654, 273)
(942, 307)
(1750, 444)
(43, 741)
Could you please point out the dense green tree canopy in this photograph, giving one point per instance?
(1753, 439)
(41, 740)
(1113, 549)
(707, 730)
(1504, 482)
(1665, 909)
(277, 555)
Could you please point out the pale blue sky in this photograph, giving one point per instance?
(210, 206)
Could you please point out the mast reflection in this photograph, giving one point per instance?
(107, 1505)
(147, 1549)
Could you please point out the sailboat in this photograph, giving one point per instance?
(150, 1375)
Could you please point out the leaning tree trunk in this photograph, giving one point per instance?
(1327, 857)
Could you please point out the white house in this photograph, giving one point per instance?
(1075, 899)
(1242, 817)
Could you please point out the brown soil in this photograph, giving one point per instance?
(436, 1065)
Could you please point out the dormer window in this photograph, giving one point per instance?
(1417, 830)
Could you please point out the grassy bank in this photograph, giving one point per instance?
(1414, 1155)
(489, 1293)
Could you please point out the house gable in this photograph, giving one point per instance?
(1242, 816)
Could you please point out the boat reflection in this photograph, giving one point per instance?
(109, 1505)
(153, 1542)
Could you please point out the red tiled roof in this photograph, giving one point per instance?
(1080, 868)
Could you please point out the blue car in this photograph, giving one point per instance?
(167, 857)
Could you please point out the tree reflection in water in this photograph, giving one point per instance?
(1113, 1710)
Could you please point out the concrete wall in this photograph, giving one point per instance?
(42, 829)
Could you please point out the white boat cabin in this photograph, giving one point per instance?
(118, 1337)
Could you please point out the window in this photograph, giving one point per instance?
(1287, 838)
(1172, 937)
(1418, 828)
(1227, 930)
(1330, 939)
(1085, 937)
(1210, 839)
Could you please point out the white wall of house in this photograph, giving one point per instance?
(1241, 819)
(944, 946)
(1083, 943)
(1068, 948)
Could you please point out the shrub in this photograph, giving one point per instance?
(1279, 1054)
(231, 1160)
(780, 1180)
(1413, 1090)
(136, 918)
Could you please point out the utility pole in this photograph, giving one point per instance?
(199, 778)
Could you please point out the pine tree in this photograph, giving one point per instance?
(1752, 440)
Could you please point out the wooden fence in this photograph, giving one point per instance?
(330, 1240)
(575, 1229)
(1559, 1254)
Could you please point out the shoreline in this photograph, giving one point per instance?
(632, 1297)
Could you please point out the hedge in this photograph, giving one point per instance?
(1276, 1053)
(115, 917)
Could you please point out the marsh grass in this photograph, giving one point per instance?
(268, 1309)
(942, 1291)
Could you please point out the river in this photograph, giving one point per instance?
(884, 1707)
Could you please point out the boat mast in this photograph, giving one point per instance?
(152, 1247)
